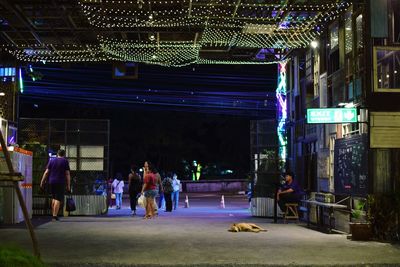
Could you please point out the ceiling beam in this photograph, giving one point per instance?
(9, 39)
(24, 21)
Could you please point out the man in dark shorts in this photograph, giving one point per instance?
(290, 192)
(57, 172)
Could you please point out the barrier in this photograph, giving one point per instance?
(89, 205)
(222, 205)
(263, 207)
(232, 186)
(187, 202)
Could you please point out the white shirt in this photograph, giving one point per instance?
(118, 186)
(176, 184)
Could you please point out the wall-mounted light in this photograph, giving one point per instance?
(314, 44)
(2, 94)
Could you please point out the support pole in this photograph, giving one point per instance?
(13, 176)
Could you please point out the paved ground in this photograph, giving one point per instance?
(196, 236)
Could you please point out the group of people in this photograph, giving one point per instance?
(150, 186)
(57, 175)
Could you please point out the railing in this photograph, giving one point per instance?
(231, 185)
(89, 199)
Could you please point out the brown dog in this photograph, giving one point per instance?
(246, 227)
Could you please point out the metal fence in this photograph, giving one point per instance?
(264, 157)
(87, 148)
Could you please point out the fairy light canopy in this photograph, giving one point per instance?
(163, 32)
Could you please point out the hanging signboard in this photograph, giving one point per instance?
(331, 115)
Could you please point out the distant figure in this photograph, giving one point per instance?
(290, 192)
(158, 183)
(135, 186)
(249, 192)
(168, 189)
(176, 184)
(118, 189)
(99, 187)
(57, 172)
(161, 199)
(149, 189)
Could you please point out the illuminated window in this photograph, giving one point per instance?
(7, 72)
(334, 36)
(359, 31)
(348, 33)
(386, 69)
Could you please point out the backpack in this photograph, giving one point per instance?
(167, 183)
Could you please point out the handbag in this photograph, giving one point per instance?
(141, 201)
(70, 204)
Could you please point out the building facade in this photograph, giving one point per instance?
(354, 64)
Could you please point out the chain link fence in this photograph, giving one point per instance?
(264, 157)
(86, 143)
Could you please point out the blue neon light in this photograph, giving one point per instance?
(21, 81)
(281, 92)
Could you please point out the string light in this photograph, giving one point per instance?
(162, 53)
(234, 62)
(200, 13)
(281, 92)
(221, 24)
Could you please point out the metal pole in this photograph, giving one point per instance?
(275, 208)
(27, 220)
(20, 198)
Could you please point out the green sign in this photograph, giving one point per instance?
(331, 115)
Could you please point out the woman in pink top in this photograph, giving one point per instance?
(149, 188)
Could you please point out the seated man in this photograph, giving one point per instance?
(290, 192)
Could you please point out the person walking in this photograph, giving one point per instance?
(176, 184)
(149, 189)
(118, 189)
(159, 188)
(168, 189)
(135, 185)
(58, 174)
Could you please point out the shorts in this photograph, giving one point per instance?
(150, 193)
(57, 191)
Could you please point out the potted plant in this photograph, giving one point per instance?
(384, 216)
(360, 228)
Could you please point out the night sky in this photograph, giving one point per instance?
(198, 113)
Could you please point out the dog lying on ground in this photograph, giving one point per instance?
(246, 227)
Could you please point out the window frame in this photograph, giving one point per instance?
(376, 89)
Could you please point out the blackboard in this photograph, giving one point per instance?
(351, 165)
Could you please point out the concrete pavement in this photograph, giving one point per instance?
(196, 236)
